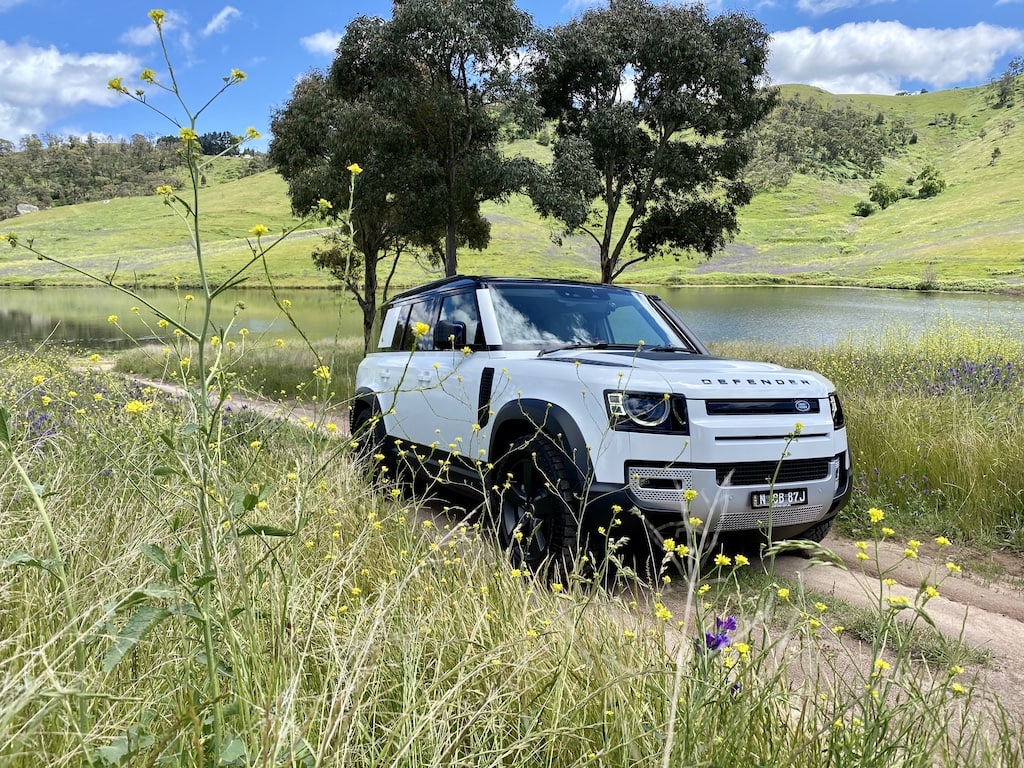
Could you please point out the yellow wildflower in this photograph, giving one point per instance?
(259, 230)
(354, 169)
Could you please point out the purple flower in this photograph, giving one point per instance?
(715, 641)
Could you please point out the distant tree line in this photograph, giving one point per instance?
(806, 136)
(50, 170)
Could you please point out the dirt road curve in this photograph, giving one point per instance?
(988, 616)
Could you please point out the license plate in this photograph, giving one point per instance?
(794, 497)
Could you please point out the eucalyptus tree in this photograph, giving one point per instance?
(653, 103)
(347, 152)
(410, 101)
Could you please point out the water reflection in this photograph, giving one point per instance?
(80, 315)
(803, 316)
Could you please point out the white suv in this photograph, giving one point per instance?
(570, 405)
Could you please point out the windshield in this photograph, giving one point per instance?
(536, 316)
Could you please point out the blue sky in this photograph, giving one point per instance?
(56, 56)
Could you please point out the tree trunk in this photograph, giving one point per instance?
(451, 259)
(369, 299)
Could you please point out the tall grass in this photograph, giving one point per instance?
(365, 632)
(276, 369)
(936, 425)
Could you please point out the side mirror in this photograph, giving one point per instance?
(449, 335)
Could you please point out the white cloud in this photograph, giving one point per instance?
(6, 5)
(221, 21)
(877, 57)
(140, 36)
(38, 85)
(819, 7)
(325, 42)
(146, 34)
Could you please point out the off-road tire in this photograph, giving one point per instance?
(374, 451)
(531, 497)
(817, 532)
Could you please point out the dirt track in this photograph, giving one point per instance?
(987, 616)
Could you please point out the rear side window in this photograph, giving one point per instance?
(420, 312)
(393, 327)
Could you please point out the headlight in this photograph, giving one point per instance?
(838, 417)
(647, 410)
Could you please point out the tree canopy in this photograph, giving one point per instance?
(653, 104)
(409, 99)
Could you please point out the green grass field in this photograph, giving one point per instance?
(969, 237)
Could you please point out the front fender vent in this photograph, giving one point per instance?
(483, 408)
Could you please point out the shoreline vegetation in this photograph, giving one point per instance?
(752, 280)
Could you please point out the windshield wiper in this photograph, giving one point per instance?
(668, 348)
(574, 345)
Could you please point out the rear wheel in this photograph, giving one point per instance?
(535, 512)
(374, 451)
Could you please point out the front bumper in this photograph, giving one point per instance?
(722, 499)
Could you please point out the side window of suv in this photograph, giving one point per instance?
(424, 311)
(459, 323)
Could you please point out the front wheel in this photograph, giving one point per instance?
(817, 532)
(535, 512)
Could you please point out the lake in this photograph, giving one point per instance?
(813, 317)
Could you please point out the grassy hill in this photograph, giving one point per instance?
(969, 237)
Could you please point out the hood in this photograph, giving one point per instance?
(700, 376)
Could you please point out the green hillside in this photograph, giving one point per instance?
(969, 237)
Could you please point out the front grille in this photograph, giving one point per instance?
(792, 406)
(761, 472)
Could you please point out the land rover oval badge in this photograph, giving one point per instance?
(802, 406)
